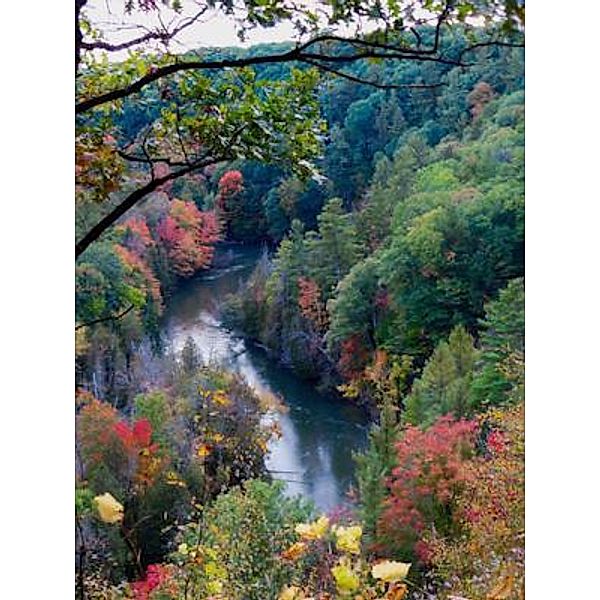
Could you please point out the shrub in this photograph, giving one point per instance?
(239, 540)
(425, 484)
(490, 553)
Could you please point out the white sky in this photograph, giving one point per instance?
(213, 29)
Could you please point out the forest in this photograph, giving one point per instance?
(315, 248)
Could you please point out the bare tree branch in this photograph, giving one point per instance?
(399, 55)
(163, 35)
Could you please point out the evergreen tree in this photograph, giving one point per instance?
(335, 249)
(444, 385)
(389, 122)
(375, 465)
(503, 347)
(354, 310)
(288, 265)
(190, 360)
(277, 220)
(375, 216)
(338, 165)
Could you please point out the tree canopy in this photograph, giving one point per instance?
(203, 107)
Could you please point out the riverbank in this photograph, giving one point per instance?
(319, 432)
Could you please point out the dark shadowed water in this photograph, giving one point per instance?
(319, 433)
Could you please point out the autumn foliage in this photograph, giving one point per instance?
(311, 303)
(488, 558)
(353, 357)
(429, 476)
(480, 96)
(96, 429)
(99, 169)
(137, 235)
(188, 236)
(156, 576)
(230, 184)
(137, 268)
(110, 444)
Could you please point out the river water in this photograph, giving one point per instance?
(319, 432)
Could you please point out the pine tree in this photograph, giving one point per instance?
(190, 359)
(375, 465)
(445, 384)
(375, 216)
(283, 316)
(390, 121)
(335, 249)
(338, 164)
(503, 348)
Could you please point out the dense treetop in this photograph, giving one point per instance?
(204, 107)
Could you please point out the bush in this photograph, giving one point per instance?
(242, 535)
(490, 553)
(190, 442)
(425, 483)
(255, 544)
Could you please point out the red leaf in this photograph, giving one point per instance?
(142, 432)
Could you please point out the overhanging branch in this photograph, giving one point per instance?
(131, 200)
(297, 54)
(375, 84)
(162, 36)
(372, 50)
(152, 160)
(104, 319)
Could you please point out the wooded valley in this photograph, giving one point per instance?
(374, 339)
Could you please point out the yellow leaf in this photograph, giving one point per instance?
(173, 479)
(397, 591)
(220, 398)
(348, 539)
(294, 551)
(203, 451)
(109, 509)
(214, 587)
(313, 531)
(349, 390)
(291, 592)
(390, 570)
(182, 548)
(346, 580)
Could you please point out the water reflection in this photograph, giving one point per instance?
(319, 433)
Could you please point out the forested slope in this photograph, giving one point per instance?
(436, 235)
(394, 276)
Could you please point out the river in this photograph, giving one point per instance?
(319, 432)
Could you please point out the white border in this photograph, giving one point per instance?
(563, 169)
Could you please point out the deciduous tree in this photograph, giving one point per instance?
(200, 122)
(188, 236)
